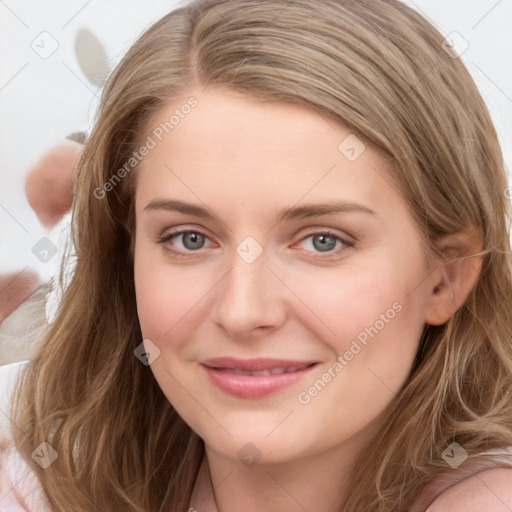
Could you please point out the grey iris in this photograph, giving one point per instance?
(327, 242)
(196, 240)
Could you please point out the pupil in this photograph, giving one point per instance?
(196, 240)
(323, 246)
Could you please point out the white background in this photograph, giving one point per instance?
(42, 101)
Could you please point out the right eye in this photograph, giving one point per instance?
(191, 241)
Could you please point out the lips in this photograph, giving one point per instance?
(254, 378)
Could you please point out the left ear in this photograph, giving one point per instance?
(455, 274)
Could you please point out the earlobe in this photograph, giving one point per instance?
(456, 272)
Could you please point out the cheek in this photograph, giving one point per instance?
(377, 323)
(375, 316)
(168, 296)
(353, 300)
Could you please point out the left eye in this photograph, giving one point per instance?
(325, 242)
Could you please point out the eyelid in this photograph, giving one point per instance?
(319, 230)
(166, 237)
(183, 230)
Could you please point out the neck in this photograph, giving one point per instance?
(308, 482)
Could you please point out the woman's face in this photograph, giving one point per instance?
(299, 249)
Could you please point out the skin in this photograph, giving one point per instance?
(245, 161)
(487, 490)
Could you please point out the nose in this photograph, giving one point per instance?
(250, 299)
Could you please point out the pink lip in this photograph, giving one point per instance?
(253, 386)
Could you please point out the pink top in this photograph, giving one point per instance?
(489, 489)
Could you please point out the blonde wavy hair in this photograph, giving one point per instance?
(376, 66)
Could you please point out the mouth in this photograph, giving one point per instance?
(255, 378)
(268, 371)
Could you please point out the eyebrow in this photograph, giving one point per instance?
(296, 212)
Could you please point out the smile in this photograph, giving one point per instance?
(254, 378)
(271, 371)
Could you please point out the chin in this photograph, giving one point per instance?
(255, 444)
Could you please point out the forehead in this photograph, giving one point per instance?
(233, 146)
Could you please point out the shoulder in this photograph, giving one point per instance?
(8, 379)
(486, 491)
(20, 490)
(8, 372)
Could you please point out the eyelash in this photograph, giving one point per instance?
(166, 238)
